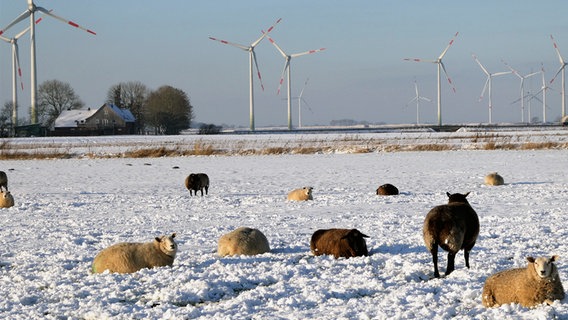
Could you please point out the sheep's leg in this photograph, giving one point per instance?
(434, 253)
(206, 189)
(451, 262)
(201, 192)
(466, 256)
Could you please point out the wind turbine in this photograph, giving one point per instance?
(30, 12)
(286, 69)
(543, 89)
(252, 59)
(417, 98)
(441, 67)
(488, 83)
(561, 69)
(300, 98)
(16, 71)
(522, 87)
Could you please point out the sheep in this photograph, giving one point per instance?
(197, 181)
(537, 283)
(243, 241)
(339, 243)
(3, 181)
(128, 257)
(6, 199)
(387, 190)
(452, 226)
(494, 179)
(303, 194)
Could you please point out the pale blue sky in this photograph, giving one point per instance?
(361, 75)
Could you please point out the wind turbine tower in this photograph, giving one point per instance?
(30, 12)
(561, 69)
(252, 59)
(488, 85)
(16, 71)
(287, 68)
(441, 67)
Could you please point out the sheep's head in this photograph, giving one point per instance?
(543, 266)
(457, 198)
(308, 191)
(167, 244)
(357, 242)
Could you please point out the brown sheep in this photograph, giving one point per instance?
(453, 226)
(128, 257)
(494, 179)
(3, 181)
(243, 241)
(339, 243)
(303, 194)
(6, 199)
(197, 181)
(538, 282)
(387, 190)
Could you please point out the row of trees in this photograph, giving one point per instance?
(167, 110)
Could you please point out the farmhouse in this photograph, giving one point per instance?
(106, 120)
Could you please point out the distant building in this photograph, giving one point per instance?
(106, 120)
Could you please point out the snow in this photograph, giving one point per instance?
(68, 210)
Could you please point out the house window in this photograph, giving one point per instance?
(97, 121)
(105, 121)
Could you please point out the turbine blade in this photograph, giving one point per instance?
(277, 47)
(17, 60)
(240, 46)
(21, 17)
(286, 65)
(71, 23)
(419, 60)
(484, 88)
(512, 70)
(448, 47)
(479, 63)
(264, 34)
(306, 52)
(555, 48)
(448, 77)
(557, 73)
(304, 87)
(257, 69)
(501, 73)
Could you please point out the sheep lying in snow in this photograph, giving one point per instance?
(6, 199)
(245, 241)
(537, 283)
(387, 190)
(339, 243)
(128, 257)
(452, 226)
(197, 181)
(3, 181)
(303, 194)
(494, 179)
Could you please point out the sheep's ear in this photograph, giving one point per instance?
(554, 258)
(448, 194)
(158, 239)
(530, 259)
(465, 195)
(364, 235)
(173, 235)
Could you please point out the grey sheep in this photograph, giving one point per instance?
(339, 243)
(197, 181)
(537, 283)
(453, 226)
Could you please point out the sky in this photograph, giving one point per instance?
(362, 74)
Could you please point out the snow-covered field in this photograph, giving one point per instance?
(68, 210)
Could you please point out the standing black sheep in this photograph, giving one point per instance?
(453, 226)
(3, 181)
(197, 181)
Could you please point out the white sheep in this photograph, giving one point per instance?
(537, 283)
(6, 199)
(303, 194)
(128, 257)
(245, 241)
(494, 179)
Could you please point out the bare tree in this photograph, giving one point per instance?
(168, 110)
(55, 96)
(130, 95)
